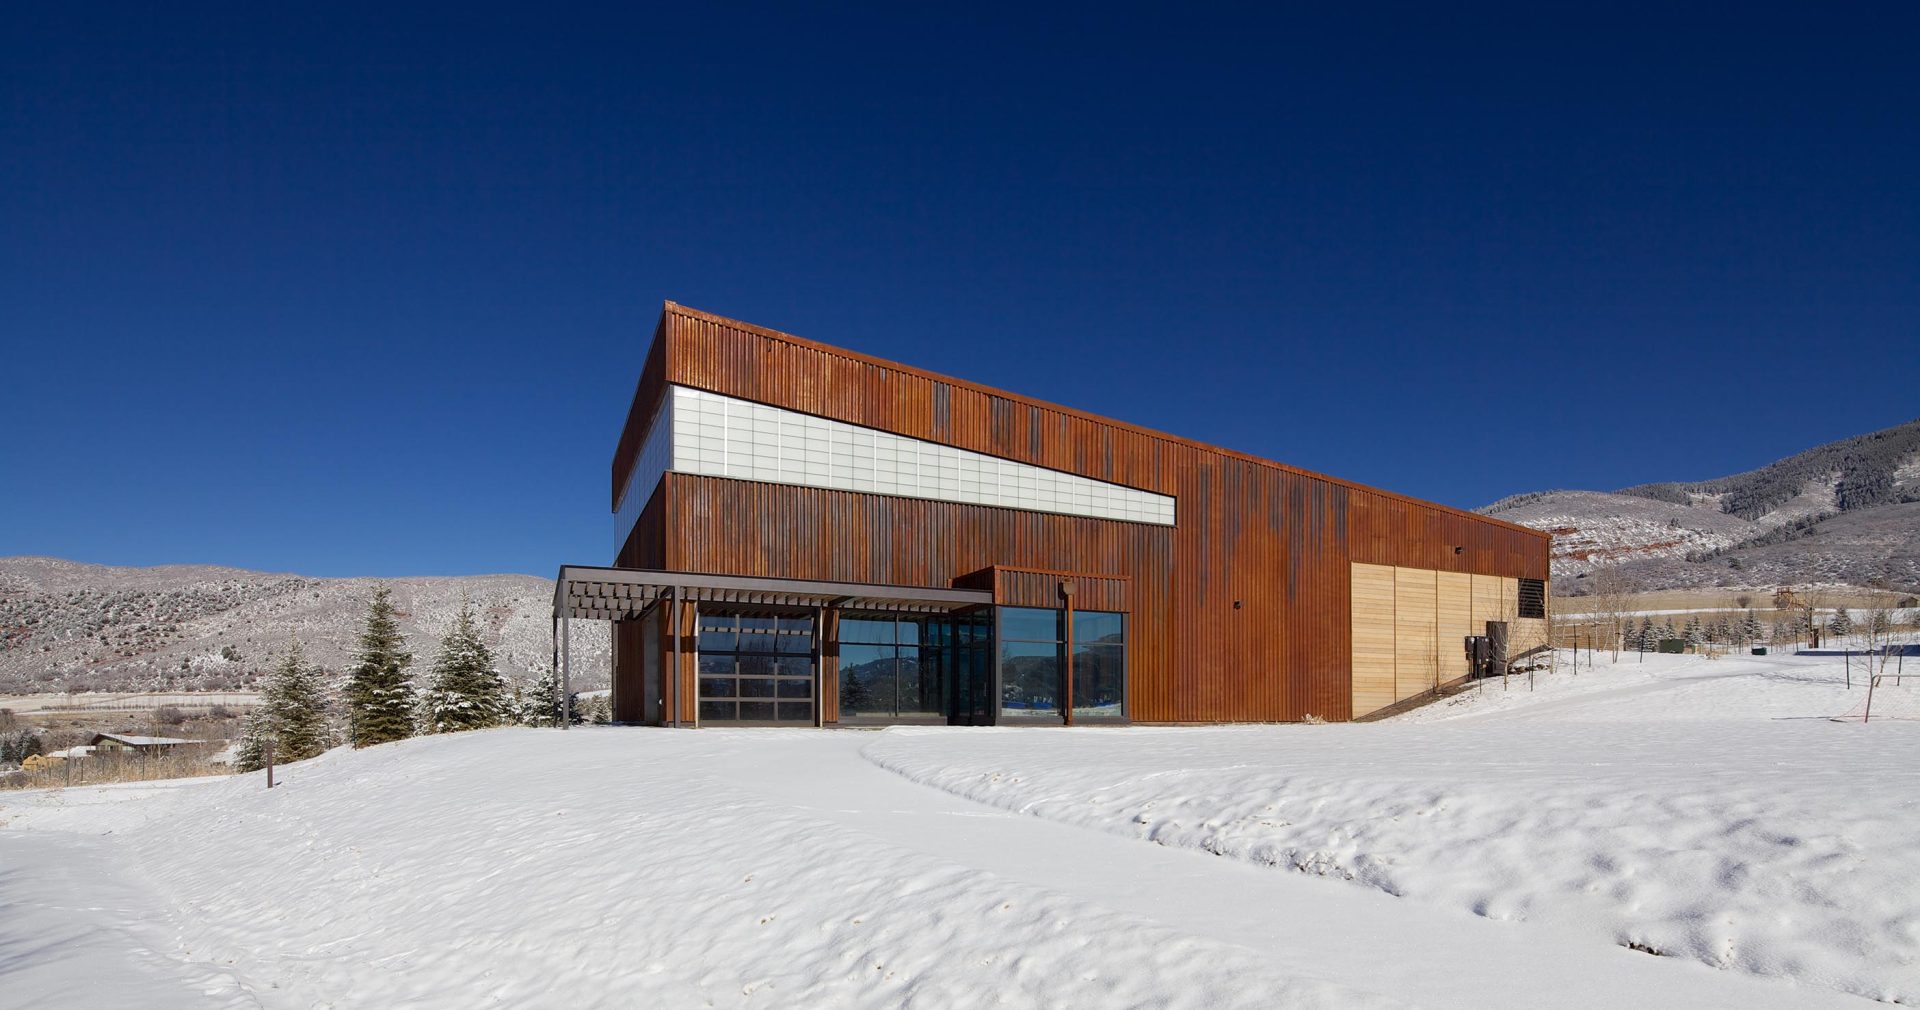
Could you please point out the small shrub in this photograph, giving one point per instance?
(169, 715)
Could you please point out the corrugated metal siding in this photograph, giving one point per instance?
(783, 531)
(1032, 587)
(1274, 539)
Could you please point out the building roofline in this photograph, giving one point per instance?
(670, 307)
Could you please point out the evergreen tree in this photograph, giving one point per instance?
(1649, 640)
(465, 692)
(1750, 629)
(540, 706)
(379, 692)
(254, 736)
(1667, 630)
(1842, 623)
(295, 703)
(1695, 634)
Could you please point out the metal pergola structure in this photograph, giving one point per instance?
(614, 594)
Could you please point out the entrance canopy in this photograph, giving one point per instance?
(614, 594)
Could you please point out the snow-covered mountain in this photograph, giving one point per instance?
(1847, 511)
(71, 626)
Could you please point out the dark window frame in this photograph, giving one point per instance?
(1063, 650)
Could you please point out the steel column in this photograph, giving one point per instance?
(677, 627)
(566, 663)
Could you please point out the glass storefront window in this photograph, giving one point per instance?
(1029, 624)
(904, 667)
(867, 675)
(1029, 662)
(1099, 665)
(1033, 654)
(1029, 679)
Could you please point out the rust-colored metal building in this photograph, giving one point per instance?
(808, 535)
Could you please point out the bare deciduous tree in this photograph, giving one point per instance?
(1610, 592)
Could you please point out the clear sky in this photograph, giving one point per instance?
(361, 290)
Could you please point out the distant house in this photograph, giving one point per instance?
(109, 744)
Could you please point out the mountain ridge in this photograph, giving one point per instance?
(76, 626)
(1738, 530)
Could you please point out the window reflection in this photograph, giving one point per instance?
(1033, 656)
(904, 666)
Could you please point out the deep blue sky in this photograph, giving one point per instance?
(347, 292)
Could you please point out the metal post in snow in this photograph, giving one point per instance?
(269, 754)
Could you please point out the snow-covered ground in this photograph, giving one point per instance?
(1495, 850)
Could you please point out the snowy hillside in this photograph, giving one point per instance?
(71, 626)
(1839, 513)
(1683, 833)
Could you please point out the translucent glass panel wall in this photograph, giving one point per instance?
(720, 436)
(656, 458)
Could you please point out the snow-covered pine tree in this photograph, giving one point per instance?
(540, 706)
(1667, 630)
(1750, 629)
(1842, 623)
(295, 705)
(251, 756)
(1649, 640)
(464, 691)
(1695, 634)
(379, 692)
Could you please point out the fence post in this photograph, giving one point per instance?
(269, 750)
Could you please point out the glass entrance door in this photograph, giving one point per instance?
(971, 656)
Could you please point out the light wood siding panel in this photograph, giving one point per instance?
(1373, 647)
(1488, 604)
(1456, 623)
(1414, 631)
(1241, 611)
(1527, 633)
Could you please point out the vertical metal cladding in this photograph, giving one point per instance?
(1038, 587)
(1239, 613)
